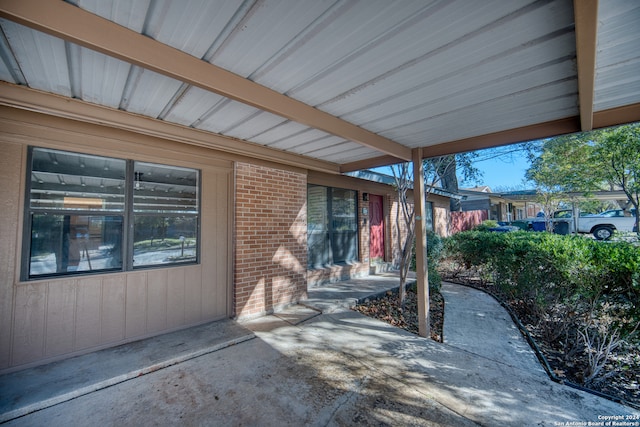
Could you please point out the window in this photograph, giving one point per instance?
(332, 226)
(78, 207)
(165, 212)
(428, 215)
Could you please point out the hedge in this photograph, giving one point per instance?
(550, 269)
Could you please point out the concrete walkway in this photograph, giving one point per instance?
(342, 368)
(475, 322)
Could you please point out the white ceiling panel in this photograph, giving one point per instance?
(348, 152)
(463, 66)
(618, 54)
(148, 93)
(335, 150)
(265, 34)
(191, 26)
(193, 107)
(469, 88)
(304, 137)
(404, 48)
(97, 78)
(347, 31)
(227, 115)
(254, 125)
(519, 107)
(279, 132)
(6, 74)
(478, 96)
(128, 13)
(405, 73)
(322, 142)
(9, 67)
(42, 59)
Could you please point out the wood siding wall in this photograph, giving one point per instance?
(46, 320)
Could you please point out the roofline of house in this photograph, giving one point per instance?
(382, 178)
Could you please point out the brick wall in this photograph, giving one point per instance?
(270, 239)
(441, 220)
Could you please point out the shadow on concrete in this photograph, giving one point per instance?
(331, 369)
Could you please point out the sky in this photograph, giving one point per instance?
(504, 172)
(501, 172)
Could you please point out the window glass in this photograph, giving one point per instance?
(70, 181)
(78, 206)
(317, 227)
(344, 236)
(429, 215)
(332, 226)
(164, 240)
(165, 204)
(74, 243)
(164, 189)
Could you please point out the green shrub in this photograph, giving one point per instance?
(434, 255)
(486, 225)
(548, 269)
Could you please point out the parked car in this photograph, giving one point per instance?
(616, 213)
(602, 225)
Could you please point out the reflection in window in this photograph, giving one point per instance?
(78, 206)
(332, 226)
(164, 240)
(74, 243)
(428, 216)
(165, 206)
(317, 226)
(71, 181)
(165, 189)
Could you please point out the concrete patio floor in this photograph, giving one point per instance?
(300, 367)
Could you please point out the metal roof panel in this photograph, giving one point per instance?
(617, 81)
(42, 59)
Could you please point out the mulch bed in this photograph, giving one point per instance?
(387, 309)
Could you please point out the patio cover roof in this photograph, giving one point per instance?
(336, 85)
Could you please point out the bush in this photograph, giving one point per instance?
(549, 269)
(434, 255)
(581, 294)
(486, 225)
(523, 263)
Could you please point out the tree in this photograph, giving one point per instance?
(556, 170)
(618, 150)
(444, 170)
(434, 170)
(405, 220)
(558, 166)
(585, 162)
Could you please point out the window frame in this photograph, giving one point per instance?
(127, 214)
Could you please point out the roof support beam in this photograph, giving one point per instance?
(601, 119)
(586, 21)
(70, 23)
(422, 272)
(511, 136)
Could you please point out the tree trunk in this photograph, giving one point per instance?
(447, 171)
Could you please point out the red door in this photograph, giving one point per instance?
(376, 228)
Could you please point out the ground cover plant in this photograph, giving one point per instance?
(578, 298)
